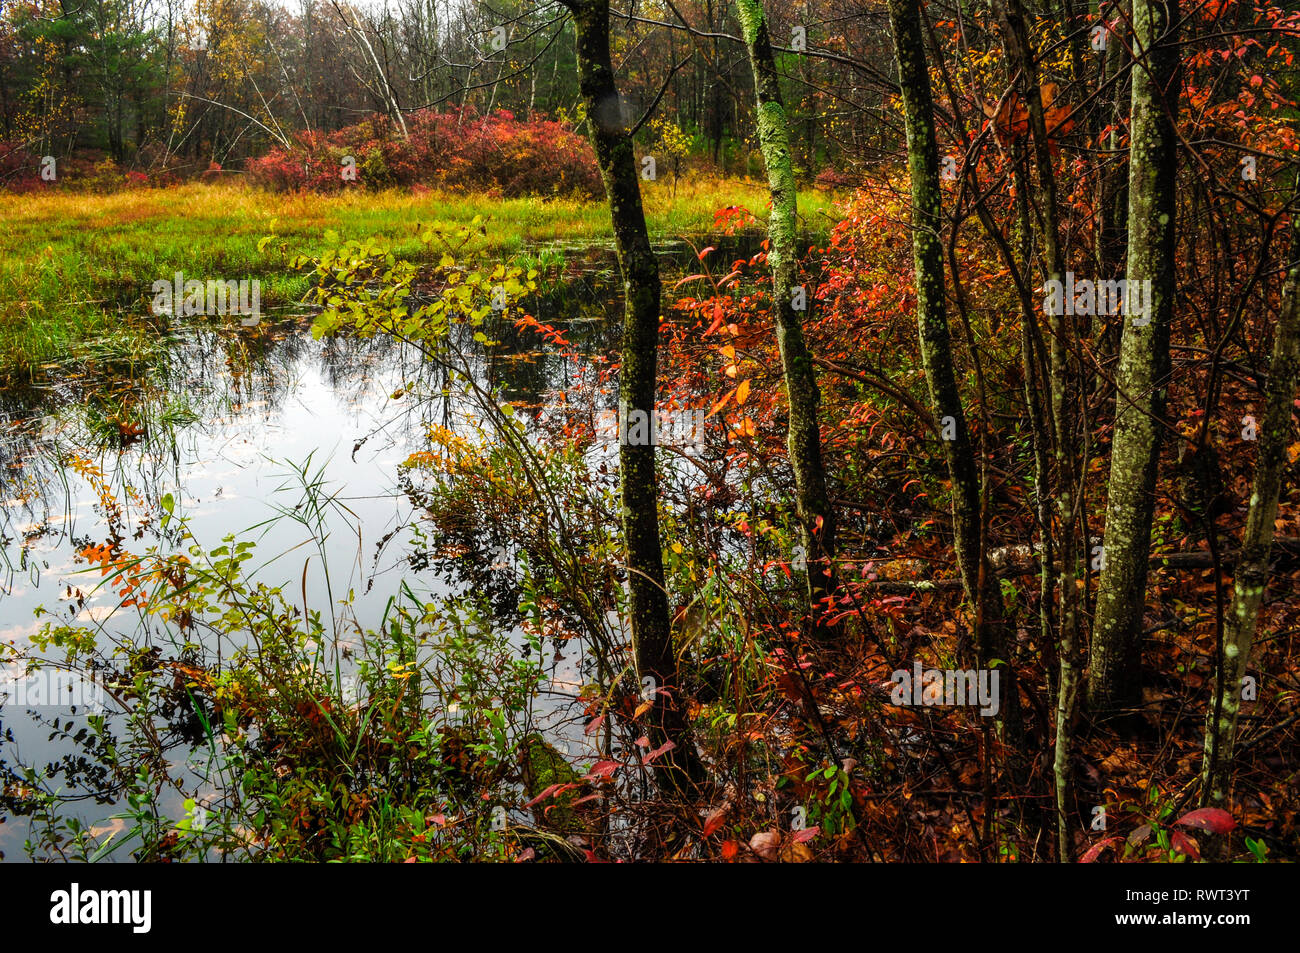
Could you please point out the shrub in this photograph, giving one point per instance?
(19, 167)
(831, 179)
(454, 149)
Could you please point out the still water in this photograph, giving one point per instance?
(231, 426)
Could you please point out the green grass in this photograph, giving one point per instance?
(76, 269)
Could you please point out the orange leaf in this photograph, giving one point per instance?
(714, 821)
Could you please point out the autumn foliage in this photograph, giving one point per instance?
(458, 149)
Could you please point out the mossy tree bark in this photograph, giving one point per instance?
(1114, 682)
(1112, 182)
(1251, 576)
(978, 580)
(816, 519)
(647, 598)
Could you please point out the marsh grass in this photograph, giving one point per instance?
(76, 268)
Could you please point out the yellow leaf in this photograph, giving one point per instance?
(742, 392)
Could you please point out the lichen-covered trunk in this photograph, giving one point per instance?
(647, 599)
(1143, 376)
(803, 439)
(1112, 185)
(1251, 576)
(936, 345)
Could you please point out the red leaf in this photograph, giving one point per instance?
(551, 791)
(706, 251)
(650, 756)
(528, 854)
(717, 320)
(1095, 850)
(1212, 819)
(729, 850)
(1184, 845)
(714, 821)
(604, 769)
(807, 834)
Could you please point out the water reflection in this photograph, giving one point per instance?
(219, 420)
(229, 423)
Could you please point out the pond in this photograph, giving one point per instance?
(240, 429)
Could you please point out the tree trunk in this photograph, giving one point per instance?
(1251, 576)
(978, 579)
(1143, 376)
(1011, 18)
(647, 599)
(1112, 189)
(816, 520)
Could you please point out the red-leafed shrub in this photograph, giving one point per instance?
(453, 149)
(19, 167)
(831, 179)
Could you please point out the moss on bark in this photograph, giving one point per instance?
(647, 599)
(803, 436)
(1114, 682)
